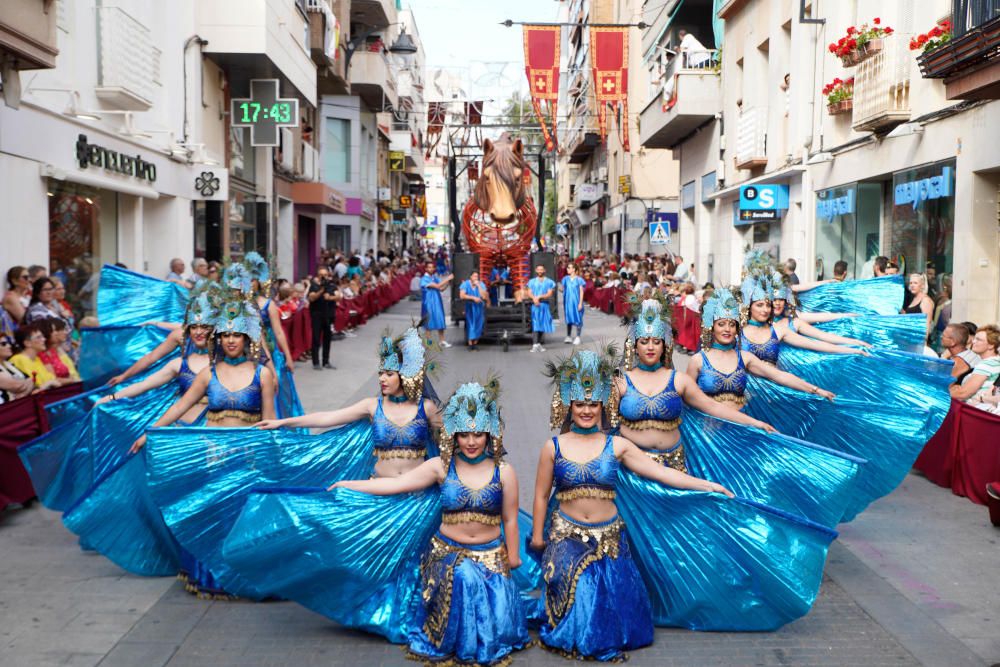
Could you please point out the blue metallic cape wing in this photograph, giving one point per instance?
(786, 473)
(712, 563)
(65, 462)
(126, 297)
(874, 296)
(200, 478)
(108, 351)
(905, 333)
(286, 399)
(118, 518)
(350, 556)
(888, 437)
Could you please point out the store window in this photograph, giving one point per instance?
(836, 230)
(922, 231)
(337, 151)
(242, 157)
(248, 225)
(83, 236)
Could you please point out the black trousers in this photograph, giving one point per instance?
(320, 336)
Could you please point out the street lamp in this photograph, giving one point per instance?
(403, 46)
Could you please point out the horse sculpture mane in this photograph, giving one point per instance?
(499, 219)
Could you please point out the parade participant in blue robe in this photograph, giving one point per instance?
(403, 415)
(473, 293)
(541, 289)
(596, 604)
(470, 612)
(573, 305)
(432, 307)
(500, 284)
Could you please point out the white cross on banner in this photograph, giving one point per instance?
(659, 233)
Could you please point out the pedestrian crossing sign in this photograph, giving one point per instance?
(659, 233)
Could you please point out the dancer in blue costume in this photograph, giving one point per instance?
(596, 605)
(720, 320)
(572, 286)
(402, 416)
(431, 306)
(541, 289)
(238, 327)
(500, 282)
(473, 293)
(471, 611)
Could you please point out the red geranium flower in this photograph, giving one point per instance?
(877, 20)
(851, 30)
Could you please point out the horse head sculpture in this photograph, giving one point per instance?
(499, 220)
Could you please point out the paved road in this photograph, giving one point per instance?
(912, 581)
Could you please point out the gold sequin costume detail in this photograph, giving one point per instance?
(466, 517)
(585, 492)
(672, 459)
(652, 424)
(243, 416)
(603, 541)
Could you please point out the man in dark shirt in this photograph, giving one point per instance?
(790, 271)
(323, 296)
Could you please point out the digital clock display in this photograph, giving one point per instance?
(264, 112)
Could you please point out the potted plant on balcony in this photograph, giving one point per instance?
(839, 96)
(860, 42)
(931, 41)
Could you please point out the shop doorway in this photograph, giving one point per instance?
(305, 247)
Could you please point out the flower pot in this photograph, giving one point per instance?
(843, 106)
(850, 59)
(869, 49)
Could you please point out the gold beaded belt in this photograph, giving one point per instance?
(242, 415)
(585, 492)
(652, 424)
(672, 459)
(391, 453)
(739, 399)
(467, 517)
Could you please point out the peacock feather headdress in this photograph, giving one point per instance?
(406, 355)
(203, 308)
(473, 408)
(585, 376)
(239, 316)
(646, 318)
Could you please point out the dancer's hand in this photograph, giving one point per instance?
(764, 426)
(117, 379)
(514, 560)
(536, 546)
(290, 365)
(828, 395)
(862, 352)
(103, 399)
(269, 424)
(712, 487)
(335, 485)
(138, 444)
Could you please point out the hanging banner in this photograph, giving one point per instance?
(436, 115)
(541, 64)
(609, 58)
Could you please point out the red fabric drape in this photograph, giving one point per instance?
(609, 55)
(541, 65)
(688, 325)
(23, 420)
(965, 452)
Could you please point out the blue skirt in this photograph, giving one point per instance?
(475, 319)
(571, 308)
(596, 605)
(541, 318)
(432, 310)
(472, 612)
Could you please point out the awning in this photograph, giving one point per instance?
(650, 53)
(779, 176)
(318, 195)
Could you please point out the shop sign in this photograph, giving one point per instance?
(92, 155)
(405, 201)
(687, 195)
(397, 160)
(210, 184)
(761, 203)
(917, 192)
(264, 112)
(384, 194)
(588, 193)
(624, 185)
(635, 223)
(829, 207)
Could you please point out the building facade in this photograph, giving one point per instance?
(894, 172)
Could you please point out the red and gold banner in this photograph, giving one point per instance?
(541, 64)
(609, 57)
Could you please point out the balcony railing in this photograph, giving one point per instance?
(751, 138)
(882, 87)
(967, 15)
(128, 63)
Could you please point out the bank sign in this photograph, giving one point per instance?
(88, 154)
(915, 193)
(760, 203)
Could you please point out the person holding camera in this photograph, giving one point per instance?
(323, 297)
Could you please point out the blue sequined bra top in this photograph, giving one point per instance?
(186, 376)
(243, 404)
(723, 387)
(393, 441)
(661, 411)
(591, 479)
(766, 351)
(461, 503)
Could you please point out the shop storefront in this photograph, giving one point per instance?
(247, 215)
(848, 228)
(921, 234)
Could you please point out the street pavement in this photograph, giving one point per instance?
(912, 581)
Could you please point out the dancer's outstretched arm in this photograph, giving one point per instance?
(543, 489)
(427, 474)
(173, 341)
(761, 369)
(697, 399)
(363, 409)
(806, 329)
(180, 408)
(636, 461)
(798, 340)
(157, 379)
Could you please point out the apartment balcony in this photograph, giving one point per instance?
(28, 32)
(970, 63)
(373, 12)
(259, 39)
(688, 98)
(308, 167)
(751, 138)
(372, 79)
(128, 73)
(882, 88)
